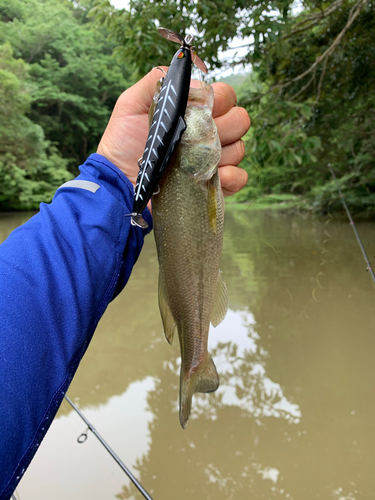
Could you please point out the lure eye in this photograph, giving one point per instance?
(180, 55)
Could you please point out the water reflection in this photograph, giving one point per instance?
(293, 417)
(220, 448)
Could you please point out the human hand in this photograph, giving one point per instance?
(125, 137)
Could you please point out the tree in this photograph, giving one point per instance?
(217, 24)
(306, 109)
(59, 83)
(331, 67)
(74, 79)
(30, 167)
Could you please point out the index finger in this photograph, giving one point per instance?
(225, 98)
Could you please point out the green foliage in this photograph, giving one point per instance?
(218, 22)
(281, 156)
(343, 104)
(299, 124)
(58, 85)
(310, 94)
(75, 81)
(30, 168)
(280, 147)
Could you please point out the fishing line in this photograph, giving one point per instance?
(368, 265)
(132, 478)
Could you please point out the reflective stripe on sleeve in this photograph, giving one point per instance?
(88, 185)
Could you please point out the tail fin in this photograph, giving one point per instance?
(203, 379)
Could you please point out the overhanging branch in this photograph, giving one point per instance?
(353, 14)
(314, 19)
(321, 14)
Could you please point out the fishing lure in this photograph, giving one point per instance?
(168, 122)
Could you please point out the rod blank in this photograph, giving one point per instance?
(136, 483)
(368, 264)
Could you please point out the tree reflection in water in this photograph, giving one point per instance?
(219, 451)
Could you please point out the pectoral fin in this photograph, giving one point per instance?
(220, 305)
(169, 323)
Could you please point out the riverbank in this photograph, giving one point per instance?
(280, 202)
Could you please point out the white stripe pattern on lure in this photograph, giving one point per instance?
(154, 137)
(170, 100)
(166, 112)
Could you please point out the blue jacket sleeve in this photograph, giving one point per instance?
(58, 273)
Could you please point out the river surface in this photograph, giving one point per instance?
(294, 417)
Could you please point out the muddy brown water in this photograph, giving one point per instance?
(294, 417)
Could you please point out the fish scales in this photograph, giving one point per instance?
(188, 217)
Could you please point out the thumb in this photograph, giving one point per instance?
(140, 95)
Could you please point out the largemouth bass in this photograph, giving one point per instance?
(188, 216)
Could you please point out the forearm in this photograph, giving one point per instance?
(58, 273)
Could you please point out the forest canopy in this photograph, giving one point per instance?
(58, 85)
(309, 92)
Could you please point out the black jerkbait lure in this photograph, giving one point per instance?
(168, 123)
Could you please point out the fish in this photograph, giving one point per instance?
(188, 219)
(168, 123)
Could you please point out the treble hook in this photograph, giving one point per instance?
(165, 74)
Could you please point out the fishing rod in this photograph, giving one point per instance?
(136, 483)
(368, 268)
